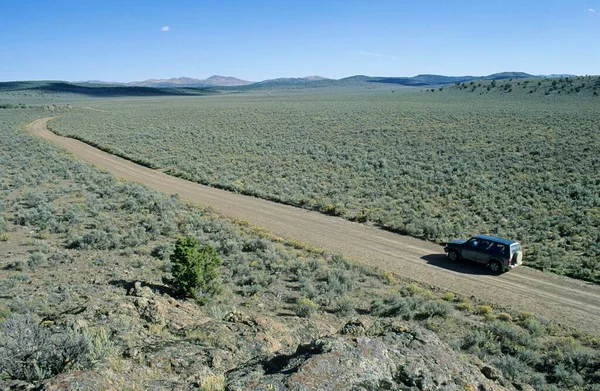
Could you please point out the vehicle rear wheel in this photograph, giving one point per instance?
(495, 267)
(453, 255)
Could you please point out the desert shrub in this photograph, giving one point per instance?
(340, 281)
(414, 289)
(510, 336)
(3, 225)
(59, 257)
(449, 296)
(512, 368)
(434, 308)
(485, 310)
(4, 312)
(195, 271)
(217, 312)
(566, 377)
(305, 307)
(465, 307)
(16, 265)
(41, 216)
(505, 317)
(213, 383)
(36, 259)
(136, 237)
(396, 305)
(534, 326)
(162, 251)
(256, 245)
(388, 278)
(97, 239)
(343, 306)
(30, 352)
(101, 344)
(230, 247)
(480, 342)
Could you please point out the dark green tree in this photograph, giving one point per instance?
(195, 271)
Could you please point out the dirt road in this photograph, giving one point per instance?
(562, 299)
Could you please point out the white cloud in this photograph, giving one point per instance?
(593, 11)
(378, 55)
(164, 29)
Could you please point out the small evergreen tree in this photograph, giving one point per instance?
(195, 271)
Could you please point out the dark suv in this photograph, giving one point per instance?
(498, 254)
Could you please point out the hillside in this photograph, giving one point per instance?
(363, 81)
(191, 86)
(22, 91)
(581, 86)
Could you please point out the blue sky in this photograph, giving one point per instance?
(131, 40)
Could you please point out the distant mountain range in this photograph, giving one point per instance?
(365, 81)
(213, 81)
(216, 84)
(319, 81)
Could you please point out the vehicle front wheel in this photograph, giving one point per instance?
(453, 255)
(495, 267)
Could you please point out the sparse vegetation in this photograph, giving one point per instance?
(30, 352)
(426, 165)
(97, 287)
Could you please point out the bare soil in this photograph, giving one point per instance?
(568, 301)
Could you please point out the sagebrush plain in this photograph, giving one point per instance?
(86, 258)
(472, 158)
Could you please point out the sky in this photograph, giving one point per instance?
(133, 40)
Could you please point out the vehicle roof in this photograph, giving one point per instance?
(496, 239)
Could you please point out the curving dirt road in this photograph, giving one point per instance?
(568, 301)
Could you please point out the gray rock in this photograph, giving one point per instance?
(491, 372)
(398, 358)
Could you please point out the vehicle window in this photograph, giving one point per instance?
(473, 243)
(498, 248)
(484, 245)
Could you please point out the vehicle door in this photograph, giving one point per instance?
(469, 250)
(484, 251)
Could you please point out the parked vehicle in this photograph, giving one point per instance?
(498, 254)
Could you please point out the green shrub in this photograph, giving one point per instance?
(414, 289)
(449, 296)
(485, 310)
(388, 278)
(505, 317)
(465, 307)
(306, 307)
(4, 312)
(195, 271)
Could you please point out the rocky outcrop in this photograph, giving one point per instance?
(391, 356)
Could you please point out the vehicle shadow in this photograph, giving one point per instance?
(462, 266)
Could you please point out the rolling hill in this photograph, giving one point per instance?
(213, 81)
